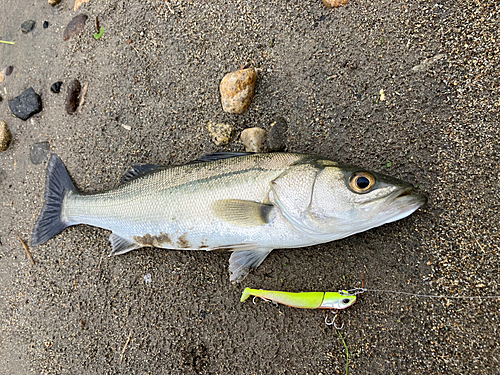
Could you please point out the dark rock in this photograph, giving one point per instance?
(39, 152)
(71, 102)
(1, 99)
(75, 27)
(26, 105)
(56, 87)
(276, 139)
(27, 26)
(45, 24)
(9, 70)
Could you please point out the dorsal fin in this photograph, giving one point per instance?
(220, 155)
(138, 170)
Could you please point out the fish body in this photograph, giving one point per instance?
(304, 300)
(249, 204)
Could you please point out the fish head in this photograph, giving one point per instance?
(343, 200)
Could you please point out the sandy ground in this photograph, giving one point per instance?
(156, 70)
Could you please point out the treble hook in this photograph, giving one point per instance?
(333, 321)
(266, 300)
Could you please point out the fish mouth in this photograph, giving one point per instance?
(403, 203)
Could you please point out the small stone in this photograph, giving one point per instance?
(54, 2)
(220, 133)
(1, 99)
(75, 27)
(276, 140)
(9, 70)
(71, 102)
(237, 90)
(5, 136)
(2, 77)
(39, 152)
(27, 26)
(56, 87)
(253, 139)
(45, 24)
(334, 3)
(78, 3)
(26, 105)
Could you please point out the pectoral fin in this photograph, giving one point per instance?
(242, 262)
(241, 212)
(121, 245)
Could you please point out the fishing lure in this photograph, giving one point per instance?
(304, 300)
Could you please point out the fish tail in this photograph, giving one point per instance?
(58, 184)
(246, 293)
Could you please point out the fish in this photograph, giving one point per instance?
(244, 203)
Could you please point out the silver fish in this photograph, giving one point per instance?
(249, 204)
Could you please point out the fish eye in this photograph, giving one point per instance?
(346, 301)
(361, 182)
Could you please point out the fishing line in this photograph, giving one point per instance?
(357, 291)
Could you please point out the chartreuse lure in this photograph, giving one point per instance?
(304, 300)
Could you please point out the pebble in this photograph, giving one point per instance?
(220, 133)
(54, 2)
(27, 26)
(382, 95)
(26, 105)
(75, 27)
(237, 90)
(276, 140)
(9, 70)
(5, 136)
(71, 102)
(39, 152)
(56, 87)
(78, 3)
(45, 24)
(334, 3)
(253, 139)
(2, 77)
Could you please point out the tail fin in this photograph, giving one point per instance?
(246, 293)
(58, 184)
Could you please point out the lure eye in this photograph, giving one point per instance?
(361, 182)
(346, 301)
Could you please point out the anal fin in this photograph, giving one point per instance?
(237, 247)
(121, 245)
(242, 262)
